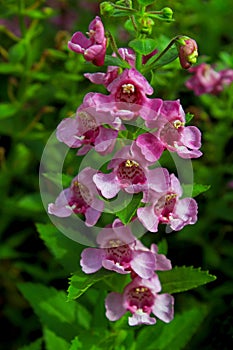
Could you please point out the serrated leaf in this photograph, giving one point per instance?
(115, 61)
(194, 190)
(53, 341)
(181, 279)
(52, 309)
(126, 214)
(80, 282)
(143, 46)
(36, 345)
(66, 251)
(174, 335)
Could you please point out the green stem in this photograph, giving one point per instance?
(21, 6)
(114, 45)
(172, 42)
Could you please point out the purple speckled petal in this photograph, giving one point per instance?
(114, 306)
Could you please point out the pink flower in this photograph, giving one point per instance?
(206, 80)
(79, 198)
(112, 71)
(94, 48)
(130, 174)
(171, 134)
(86, 130)
(140, 297)
(188, 52)
(120, 251)
(168, 208)
(128, 97)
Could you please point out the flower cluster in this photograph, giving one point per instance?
(98, 124)
(206, 80)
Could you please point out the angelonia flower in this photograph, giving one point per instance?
(93, 48)
(80, 198)
(87, 130)
(171, 134)
(141, 298)
(120, 251)
(99, 121)
(206, 80)
(168, 208)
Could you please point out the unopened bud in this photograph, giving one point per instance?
(187, 51)
(106, 8)
(146, 25)
(167, 12)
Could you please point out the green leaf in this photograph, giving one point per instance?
(31, 202)
(194, 190)
(174, 335)
(143, 46)
(115, 61)
(121, 13)
(9, 68)
(36, 345)
(181, 279)
(66, 251)
(17, 52)
(167, 58)
(53, 341)
(52, 309)
(80, 282)
(146, 2)
(126, 214)
(7, 110)
(188, 117)
(76, 344)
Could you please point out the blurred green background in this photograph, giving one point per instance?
(41, 83)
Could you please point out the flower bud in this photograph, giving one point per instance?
(146, 25)
(187, 51)
(106, 8)
(167, 13)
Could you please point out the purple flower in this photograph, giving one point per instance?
(171, 134)
(128, 97)
(112, 71)
(86, 130)
(168, 208)
(94, 48)
(130, 174)
(120, 251)
(206, 80)
(141, 298)
(79, 198)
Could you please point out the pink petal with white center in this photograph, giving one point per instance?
(191, 137)
(114, 306)
(61, 207)
(79, 42)
(91, 260)
(143, 263)
(112, 266)
(164, 307)
(148, 218)
(107, 184)
(175, 186)
(158, 179)
(67, 132)
(151, 147)
(141, 318)
(185, 213)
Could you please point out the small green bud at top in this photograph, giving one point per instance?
(146, 25)
(167, 12)
(106, 8)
